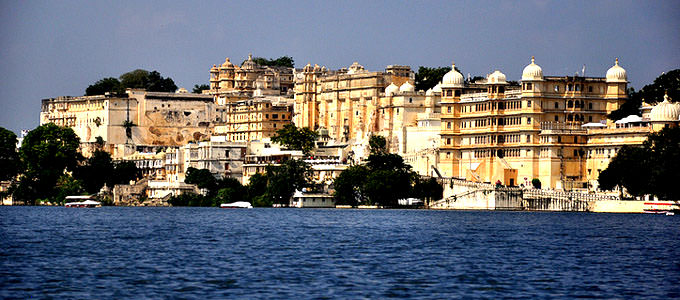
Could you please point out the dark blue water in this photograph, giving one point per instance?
(208, 253)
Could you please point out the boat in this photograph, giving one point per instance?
(238, 204)
(661, 207)
(87, 203)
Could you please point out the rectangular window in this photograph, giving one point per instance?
(556, 88)
(528, 120)
(529, 103)
(448, 109)
(557, 105)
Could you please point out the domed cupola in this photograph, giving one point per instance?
(496, 78)
(532, 71)
(407, 88)
(429, 92)
(453, 79)
(437, 88)
(227, 64)
(391, 89)
(665, 111)
(616, 74)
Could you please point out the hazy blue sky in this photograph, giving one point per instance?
(55, 48)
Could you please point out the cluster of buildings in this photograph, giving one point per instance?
(552, 128)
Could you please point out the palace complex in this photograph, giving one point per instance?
(551, 128)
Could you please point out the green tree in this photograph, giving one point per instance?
(202, 178)
(156, 83)
(663, 148)
(105, 85)
(96, 172)
(629, 169)
(10, 165)
(283, 61)
(137, 79)
(377, 144)
(427, 78)
(47, 152)
(295, 138)
(349, 186)
(257, 189)
(230, 190)
(428, 189)
(124, 172)
(668, 82)
(198, 89)
(283, 180)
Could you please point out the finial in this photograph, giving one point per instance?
(665, 96)
(532, 59)
(250, 56)
(616, 61)
(453, 65)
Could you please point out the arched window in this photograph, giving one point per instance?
(570, 104)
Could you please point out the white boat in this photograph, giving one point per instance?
(86, 203)
(239, 204)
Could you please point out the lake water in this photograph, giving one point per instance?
(211, 253)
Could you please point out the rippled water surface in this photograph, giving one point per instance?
(208, 253)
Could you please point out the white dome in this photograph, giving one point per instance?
(391, 89)
(496, 78)
(453, 79)
(437, 88)
(665, 111)
(355, 68)
(429, 92)
(532, 71)
(407, 88)
(616, 73)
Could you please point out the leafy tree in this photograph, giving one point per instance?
(156, 83)
(202, 178)
(105, 85)
(257, 189)
(47, 152)
(383, 180)
(650, 169)
(651, 93)
(198, 89)
(663, 148)
(349, 185)
(66, 186)
(536, 183)
(189, 199)
(295, 138)
(124, 172)
(138, 79)
(427, 78)
(97, 171)
(283, 61)
(377, 144)
(230, 190)
(10, 164)
(627, 169)
(428, 189)
(283, 180)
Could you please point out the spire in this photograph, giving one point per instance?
(453, 65)
(616, 62)
(533, 59)
(250, 56)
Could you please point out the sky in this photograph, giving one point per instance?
(58, 48)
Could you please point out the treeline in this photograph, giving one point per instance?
(275, 186)
(48, 167)
(650, 169)
(137, 79)
(383, 180)
(283, 61)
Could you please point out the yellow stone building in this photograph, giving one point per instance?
(229, 81)
(253, 119)
(158, 119)
(345, 102)
(514, 134)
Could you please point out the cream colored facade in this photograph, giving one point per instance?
(345, 102)
(254, 119)
(231, 82)
(160, 119)
(514, 134)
